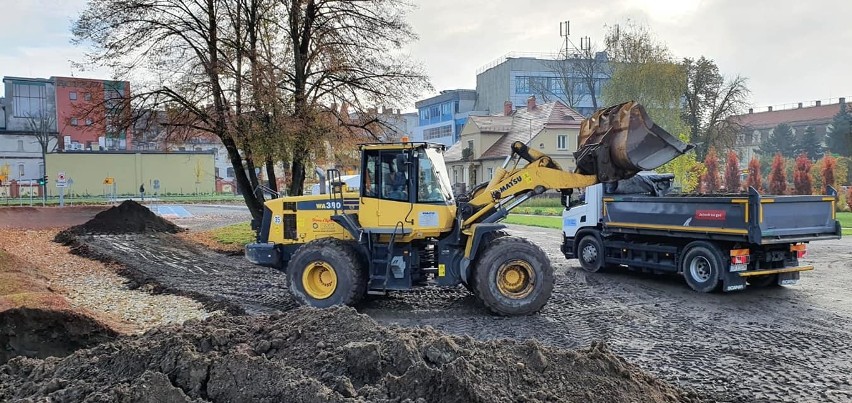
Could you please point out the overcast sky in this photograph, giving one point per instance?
(791, 51)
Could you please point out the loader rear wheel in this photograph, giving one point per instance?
(513, 277)
(326, 272)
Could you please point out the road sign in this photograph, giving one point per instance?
(60, 180)
(109, 180)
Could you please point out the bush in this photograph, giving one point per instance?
(777, 176)
(802, 175)
(849, 197)
(732, 172)
(754, 176)
(710, 180)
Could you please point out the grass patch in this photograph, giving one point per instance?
(237, 234)
(543, 202)
(845, 219)
(535, 221)
(545, 211)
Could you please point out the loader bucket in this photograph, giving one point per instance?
(619, 141)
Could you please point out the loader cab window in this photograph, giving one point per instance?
(428, 183)
(386, 175)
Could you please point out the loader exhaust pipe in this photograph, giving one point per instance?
(620, 141)
(322, 183)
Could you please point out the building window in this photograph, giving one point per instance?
(73, 121)
(455, 175)
(437, 132)
(20, 145)
(87, 96)
(88, 121)
(522, 85)
(490, 172)
(28, 100)
(561, 142)
(181, 148)
(20, 170)
(230, 172)
(72, 95)
(41, 170)
(447, 108)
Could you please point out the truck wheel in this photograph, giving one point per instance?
(702, 267)
(769, 280)
(513, 277)
(326, 272)
(590, 253)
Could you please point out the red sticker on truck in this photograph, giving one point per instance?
(710, 215)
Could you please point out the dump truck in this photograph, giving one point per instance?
(725, 242)
(404, 227)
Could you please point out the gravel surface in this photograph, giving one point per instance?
(96, 287)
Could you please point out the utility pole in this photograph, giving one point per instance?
(564, 31)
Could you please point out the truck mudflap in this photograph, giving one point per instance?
(786, 276)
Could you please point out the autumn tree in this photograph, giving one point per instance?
(711, 176)
(732, 172)
(802, 180)
(777, 176)
(709, 100)
(754, 175)
(644, 70)
(829, 165)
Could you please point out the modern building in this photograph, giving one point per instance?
(441, 118)
(27, 121)
(515, 77)
(93, 114)
(485, 142)
(758, 126)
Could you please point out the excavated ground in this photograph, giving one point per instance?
(334, 355)
(780, 344)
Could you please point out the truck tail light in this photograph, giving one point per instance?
(739, 256)
(800, 249)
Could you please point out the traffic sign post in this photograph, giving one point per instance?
(61, 183)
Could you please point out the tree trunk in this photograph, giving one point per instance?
(255, 206)
(270, 174)
(297, 183)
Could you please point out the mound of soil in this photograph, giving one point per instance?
(128, 217)
(333, 355)
(44, 333)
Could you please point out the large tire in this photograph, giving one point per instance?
(702, 266)
(327, 272)
(590, 253)
(513, 277)
(487, 239)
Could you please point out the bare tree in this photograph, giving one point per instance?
(344, 52)
(709, 101)
(42, 126)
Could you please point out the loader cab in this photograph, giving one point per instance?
(405, 188)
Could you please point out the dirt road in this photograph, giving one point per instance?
(783, 344)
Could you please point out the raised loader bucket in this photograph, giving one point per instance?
(622, 140)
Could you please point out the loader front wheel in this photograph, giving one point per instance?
(513, 277)
(326, 272)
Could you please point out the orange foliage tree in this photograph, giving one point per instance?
(732, 172)
(849, 197)
(828, 165)
(778, 176)
(754, 179)
(802, 175)
(710, 181)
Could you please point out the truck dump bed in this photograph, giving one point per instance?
(753, 218)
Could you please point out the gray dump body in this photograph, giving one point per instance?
(750, 218)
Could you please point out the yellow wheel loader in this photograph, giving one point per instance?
(405, 228)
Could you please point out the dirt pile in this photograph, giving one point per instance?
(43, 333)
(334, 355)
(128, 217)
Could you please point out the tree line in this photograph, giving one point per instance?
(273, 80)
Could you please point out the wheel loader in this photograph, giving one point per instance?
(404, 227)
